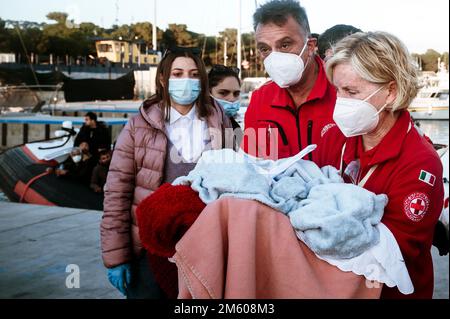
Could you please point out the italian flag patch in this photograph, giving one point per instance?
(428, 178)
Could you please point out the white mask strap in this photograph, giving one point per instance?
(304, 48)
(382, 109)
(222, 100)
(371, 95)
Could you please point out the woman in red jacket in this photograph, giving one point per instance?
(376, 146)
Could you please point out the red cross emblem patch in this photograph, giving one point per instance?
(416, 206)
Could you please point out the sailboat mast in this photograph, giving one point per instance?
(239, 38)
(225, 48)
(154, 33)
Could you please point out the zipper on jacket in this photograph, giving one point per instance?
(309, 136)
(297, 119)
(295, 113)
(280, 129)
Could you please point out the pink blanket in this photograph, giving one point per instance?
(241, 249)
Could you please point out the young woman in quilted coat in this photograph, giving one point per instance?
(162, 142)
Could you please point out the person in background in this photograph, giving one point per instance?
(316, 37)
(225, 88)
(78, 167)
(331, 36)
(376, 146)
(293, 110)
(95, 133)
(164, 141)
(100, 172)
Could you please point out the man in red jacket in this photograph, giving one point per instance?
(296, 108)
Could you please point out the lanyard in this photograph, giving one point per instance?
(364, 180)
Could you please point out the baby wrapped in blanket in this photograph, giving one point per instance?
(334, 219)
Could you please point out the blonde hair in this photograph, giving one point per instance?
(378, 57)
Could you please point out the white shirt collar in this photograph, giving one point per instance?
(175, 115)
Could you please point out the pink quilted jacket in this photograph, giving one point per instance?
(137, 170)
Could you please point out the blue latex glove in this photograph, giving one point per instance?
(120, 277)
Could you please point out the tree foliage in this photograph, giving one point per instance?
(61, 37)
(429, 60)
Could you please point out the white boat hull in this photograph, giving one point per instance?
(430, 108)
(426, 115)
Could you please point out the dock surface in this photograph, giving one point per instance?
(37, 243)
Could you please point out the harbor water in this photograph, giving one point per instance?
(436, 130)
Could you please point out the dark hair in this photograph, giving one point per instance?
(92, 116)
(315, 36)
(278, 12)
(104, 152)
(218, 73)
(333, 35)
(163, 74)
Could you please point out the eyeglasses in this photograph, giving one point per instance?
(176, 49)
(223, 68)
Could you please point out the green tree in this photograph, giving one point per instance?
(250, 53)
(5, 37)
(63, 38)
(142, 31)
(23, 38)
(183, 37)
(208, 46)
(444, 58)
(228, 37)
(59, 17)
(168, 39)
(430, 60)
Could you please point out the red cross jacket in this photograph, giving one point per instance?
(409, 172)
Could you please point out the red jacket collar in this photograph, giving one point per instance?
(389, 147)
(281, 97)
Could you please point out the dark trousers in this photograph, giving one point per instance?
(143, 284)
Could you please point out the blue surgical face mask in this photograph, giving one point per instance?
(184, 91)
(230, 108)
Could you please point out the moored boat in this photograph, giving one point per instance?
(25, 175)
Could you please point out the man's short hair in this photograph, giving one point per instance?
(333, 35)
(92, 116)
(278, 12)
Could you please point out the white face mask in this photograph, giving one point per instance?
(356, 117)
(285, 69)
(76, 158)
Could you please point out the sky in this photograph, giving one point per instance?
(420, 24)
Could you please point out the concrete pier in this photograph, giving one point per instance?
(38, 243)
